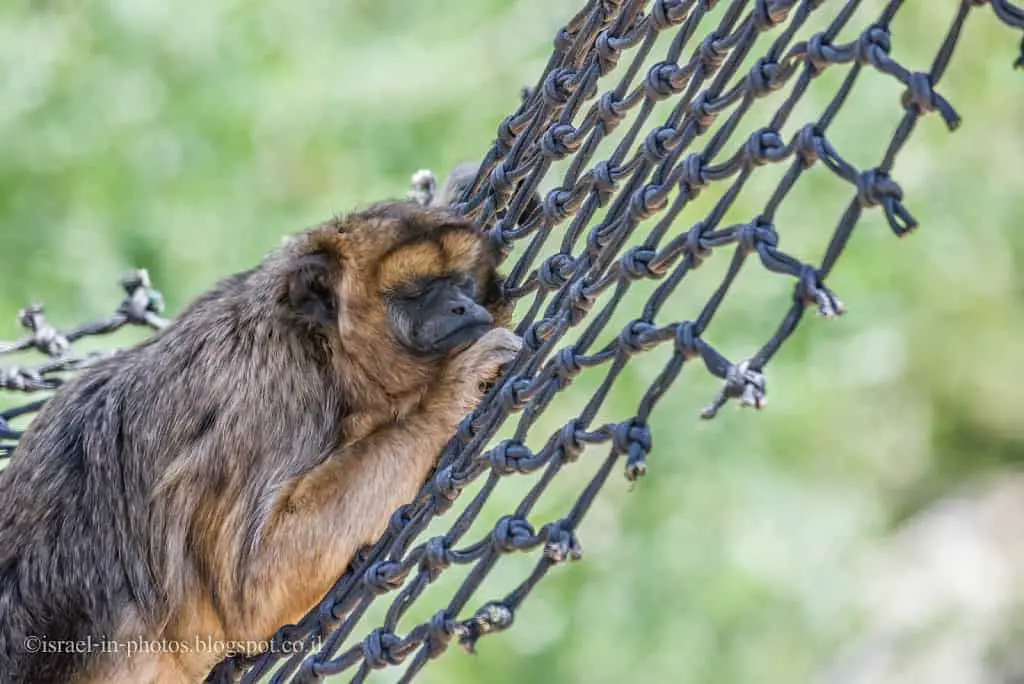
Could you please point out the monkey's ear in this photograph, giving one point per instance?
(310, 289)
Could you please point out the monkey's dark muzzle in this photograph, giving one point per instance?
(458, 321)
(463, 334)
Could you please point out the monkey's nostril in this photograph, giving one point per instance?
(459, 311)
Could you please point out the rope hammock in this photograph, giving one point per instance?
(622, 224)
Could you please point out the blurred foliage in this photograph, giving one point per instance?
(188, 137)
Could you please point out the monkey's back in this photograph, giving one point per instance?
(67, 515)
(88, 538)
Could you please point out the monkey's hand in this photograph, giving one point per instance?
(474, 370)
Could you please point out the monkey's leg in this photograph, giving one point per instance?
(346, 502)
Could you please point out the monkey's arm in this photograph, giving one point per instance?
(346, 502)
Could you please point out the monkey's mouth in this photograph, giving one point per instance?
(460, 339)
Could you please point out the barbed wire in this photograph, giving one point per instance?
(647, 180)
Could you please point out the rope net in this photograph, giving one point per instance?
(693, 80)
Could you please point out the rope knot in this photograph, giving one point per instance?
(422, 187)
(501, 180)
(636, 263)
(647, 200)
(872, 46)
(751, 235)
(562, 543)
(499, 239)
(764, 77)
(742, 382)
(711, 56)
(568, 443)
(309, 672)
(604, 181)
(22, 379)
(770, 13)
(633, 438)
(466, 431)
(809, 144)
(383, 576)
(610, 112)
(686, 340)
(565, 366)
(608, 52)
(818, 50)
(31, 317)
(142, 303)
(440, 631)
(694, 247)
(875, 187)
(558, 86)
(558, 205)
(512, 533)
(580, 303)
(557, 142)
(492, 617)
(766, 233)
(45, 337)
(921, 95)
(764, 146)
(534, 336)
(510, 457)
(436, 556)
(378, 649)
(513, 395)
(654, 146)
(443, 490)
(702, 112)
(507, 135)
(555, 271)
(632, 340)
(660, 82)
(666, 13)
(693, 179)
(400, 518)
(810, 290)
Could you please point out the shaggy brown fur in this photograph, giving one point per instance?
(215, 480)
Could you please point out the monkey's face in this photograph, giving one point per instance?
(437, 315)
(439, 289)
(421, 277)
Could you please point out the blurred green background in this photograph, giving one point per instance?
(864, 528)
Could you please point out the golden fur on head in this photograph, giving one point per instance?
(388, 244)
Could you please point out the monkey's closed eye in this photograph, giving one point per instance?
(468, 285)
(405, 292)
(420, 288)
